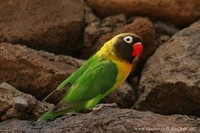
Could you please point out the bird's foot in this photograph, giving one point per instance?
(98, 107)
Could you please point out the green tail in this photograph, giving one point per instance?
(48, 116)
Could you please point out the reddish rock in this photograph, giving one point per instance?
(171, 77)
(108, 120)
(33, 72)
(179, 12)
(52, 25)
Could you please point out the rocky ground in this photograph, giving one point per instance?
(43, 42)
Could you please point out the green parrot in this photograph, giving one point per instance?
(98, 76)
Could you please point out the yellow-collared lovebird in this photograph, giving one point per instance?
(98, 76)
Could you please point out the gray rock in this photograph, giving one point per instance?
(171, 77)
(15, 104)
(166, 29)
(108, 120)
(5, 85)
(20, 103)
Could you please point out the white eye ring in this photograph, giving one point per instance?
(128, 39)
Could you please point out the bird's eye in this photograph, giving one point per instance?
(128, 39)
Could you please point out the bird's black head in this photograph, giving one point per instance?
(127, 46)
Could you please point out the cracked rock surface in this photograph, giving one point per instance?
(108, 120)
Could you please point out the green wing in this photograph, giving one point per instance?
(98, 79)
(91, 80)
(72, 78)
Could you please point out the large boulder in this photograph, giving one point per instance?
(171, 77)
(108, 120)
(52, 25)
(179, 12)
(33, 72)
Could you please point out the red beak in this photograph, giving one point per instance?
(137, 49)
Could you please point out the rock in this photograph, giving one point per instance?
(140, 26)
(114, 21)
(90, 17)
(166, 29)
(40, 109)
(109, 120)
(96, 27)
(5, 85)
(5, 100)
(55, 26)
(15, 104)
(170, 79)
(20, 103)
(34, 72)
(124, 96)
(179, 12)
(162, 39)
(90, 34)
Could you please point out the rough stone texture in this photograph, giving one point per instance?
(33, 72)
(166, 29)
(40, 109)
(177, 11)
(52, 25)
(96, 27)
(8, 87)
(90, 17)
(171, 77)
(124, 96)
(15, 104)
(108, 120)
(141, 26)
